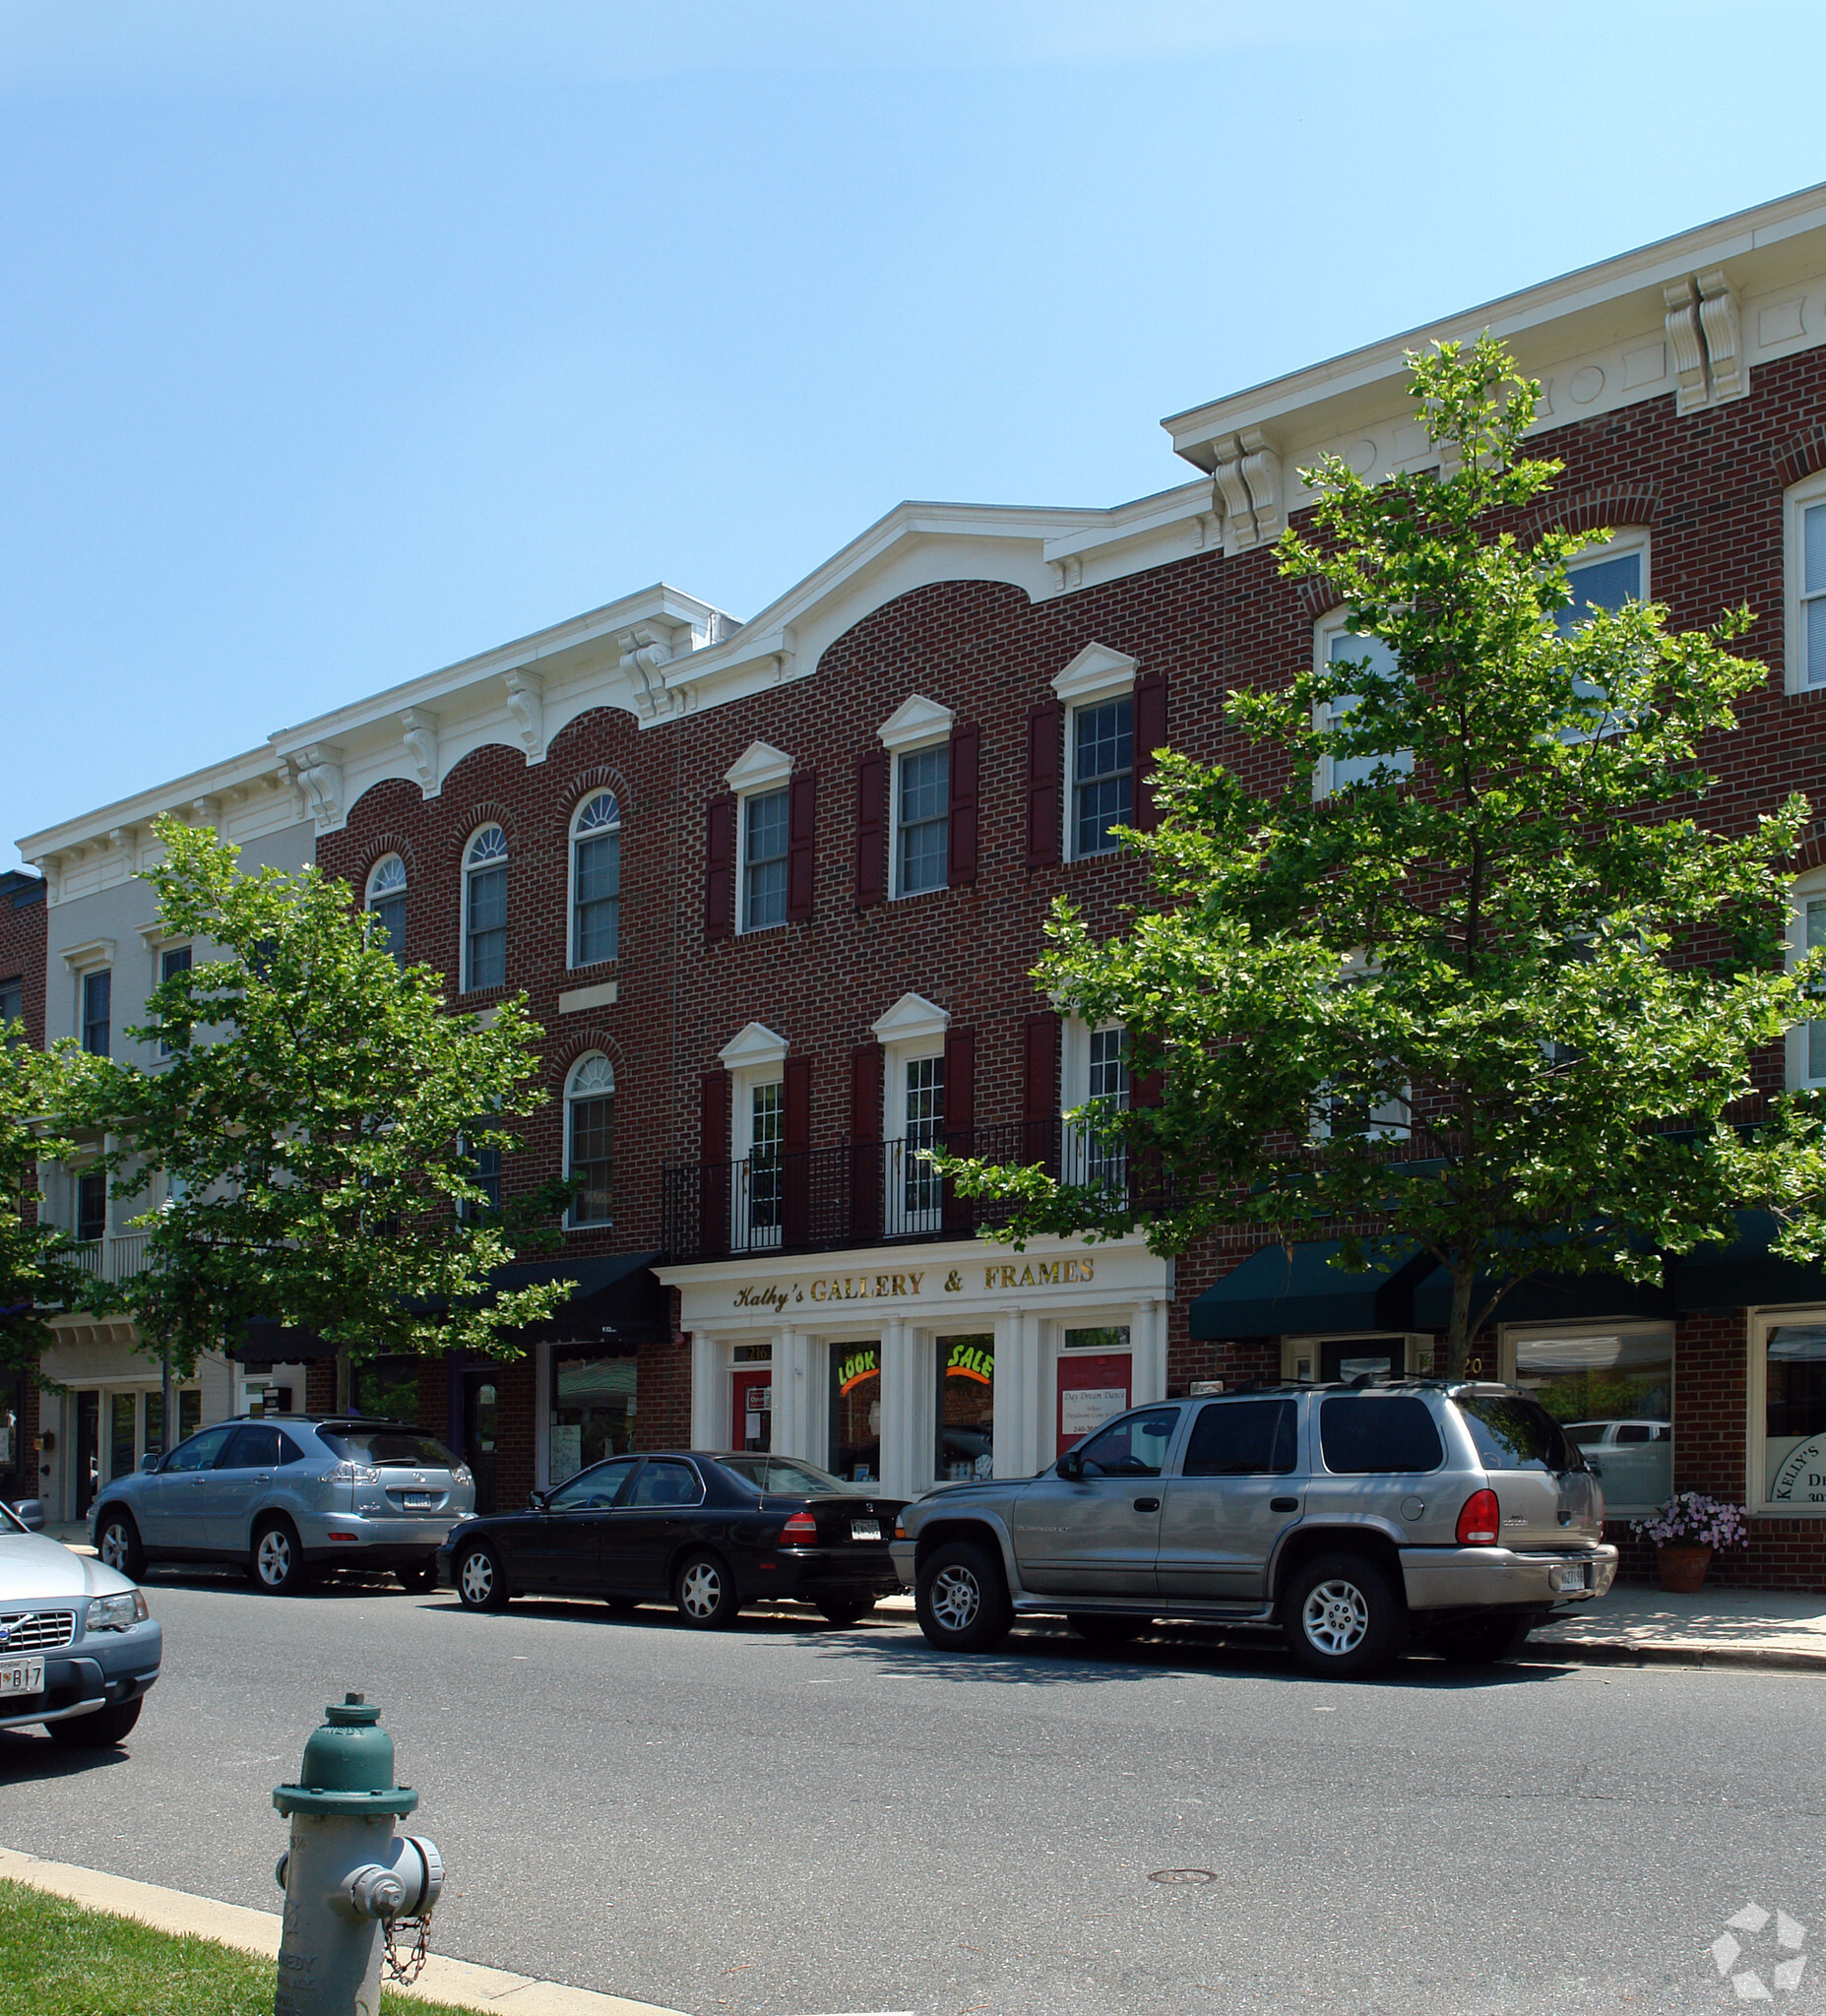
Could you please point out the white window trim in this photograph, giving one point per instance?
(755, 1055)
(1335, 623)
(368, 891)
(1810, 887)
(911, 1032)
(1795, 501)
(1756, 1440)
(777, 782)
(917, 724)
(572, 964)
(1097, 672)
(467, 870)
(594, 1224)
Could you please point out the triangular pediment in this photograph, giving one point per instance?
(1098, 671)
(916, 719)
(754, 1045)
(912, 1016)
(759, 765)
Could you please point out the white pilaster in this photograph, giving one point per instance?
(708, 1402)
(792, 1395)
(898, 1408)
(1148, 1344)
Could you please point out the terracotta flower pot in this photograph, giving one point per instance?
(1683, 1568)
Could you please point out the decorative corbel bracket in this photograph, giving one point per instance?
(526, 702)
(1247, 485)
(320, 771)
(420, 726)
(1706, 335)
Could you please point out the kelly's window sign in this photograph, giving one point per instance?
(1794, 1414)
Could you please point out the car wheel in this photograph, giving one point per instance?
(1483, 1641)
(1343, 1619)
(480, 1585)
(117, 1541)
(97, 1730)
(962, 1601)
(1099, 1630)
(704, 1592)
(279, 1559)
(421, 1577)
(845, 1610)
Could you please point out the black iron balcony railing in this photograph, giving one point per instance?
(866, 1193)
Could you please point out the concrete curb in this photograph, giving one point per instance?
(461, 1982)
(1625, 1652)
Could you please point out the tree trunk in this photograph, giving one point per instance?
(1458, 1336)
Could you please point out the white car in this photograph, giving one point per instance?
(79, 1650)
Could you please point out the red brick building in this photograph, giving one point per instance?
(776, 889)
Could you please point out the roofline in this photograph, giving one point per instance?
(144, 806)
(1584, 286)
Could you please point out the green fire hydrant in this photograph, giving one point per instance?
(349, 1879)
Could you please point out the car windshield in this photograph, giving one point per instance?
(1513, 1432)
(782, 1474)
(388, 1448)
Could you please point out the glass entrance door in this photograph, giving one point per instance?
(752, 1410)
(481, 1413)
(88, 1450)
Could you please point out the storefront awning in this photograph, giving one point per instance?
(1545, 1298)
(1297, 1292)
(617, 1298)
(1745, 1272)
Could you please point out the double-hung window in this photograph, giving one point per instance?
(1107, 1093)
(596, 880)
(97, 996)
(1103, 746)
(484, 910)
(172, 961)
(920, 1188)
(1806, 585)
(921, 819)
(590, 1137)
(11, 1011)
(91, 1204)
(1614, 575)
(767, 1140)
(386, 902)
(1338, 646)
(766, 826)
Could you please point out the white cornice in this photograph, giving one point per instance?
(256, 768)
(1763, 248)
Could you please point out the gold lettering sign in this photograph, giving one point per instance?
(831, 1288)
(1039, 1274)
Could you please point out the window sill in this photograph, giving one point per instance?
(595, 1225)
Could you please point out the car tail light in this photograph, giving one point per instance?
(899, 1527)
(1478, 1523)
(799, 1531)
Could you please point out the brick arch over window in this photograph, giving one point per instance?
(483, 812)
(1811, 853)
(390, 798)
(1318, 598)
(589, 733)
(1802, 456)
(561, 1059)
(1594, 511)
(379, 847)
(600, 777)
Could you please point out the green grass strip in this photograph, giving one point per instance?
(55, 1955)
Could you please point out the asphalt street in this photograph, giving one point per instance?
(787, 1820)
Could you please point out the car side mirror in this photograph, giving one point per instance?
(535, 1501)
(151, 1460)
(1070, 1464)
(31, 1513)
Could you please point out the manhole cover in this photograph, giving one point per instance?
(1183, 1876)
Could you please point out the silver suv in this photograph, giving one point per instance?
(286, 1495)
(1354, 1519)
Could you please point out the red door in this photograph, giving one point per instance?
(1090, 1390)
(752, 1425)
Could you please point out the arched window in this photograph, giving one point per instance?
(595, 879)
(589, 1135)
(484, 910)
(386, 901)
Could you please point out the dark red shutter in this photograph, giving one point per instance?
(871, 828)
(796, 1173)
(1145, 1162)
(961, 864)
(713, 1198)
(719, 866)
(1150, 735)
(960, 1117)
(801, 845)
(1045, 739)
(865, 1165)
(1040, 1087)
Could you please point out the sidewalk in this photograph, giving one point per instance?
(1745, 1627)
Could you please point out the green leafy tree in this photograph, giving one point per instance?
(1499, 996)
(42, 1267)
(317, 1119)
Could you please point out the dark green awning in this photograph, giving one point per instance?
(1278, 1293)
(1743, 1272)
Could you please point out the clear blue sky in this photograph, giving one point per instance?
(340, 340)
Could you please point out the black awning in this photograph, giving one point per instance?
(617, 1299)
(1745, 1270)
(1544, 1298)
(1279, 1292)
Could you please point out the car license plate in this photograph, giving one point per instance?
(865, 1529)
(416, 1501)
(1572, 1576)
(22, 1677)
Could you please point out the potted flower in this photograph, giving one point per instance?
(1687, 1529)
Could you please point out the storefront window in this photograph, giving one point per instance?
(1613, 1395)
(122, 1457)
(1794, 1414)
(385, 1389)
(855, 1412)
(591, 1412)
(189, 1413)
(966, 1408)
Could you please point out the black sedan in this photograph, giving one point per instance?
(707, 1534)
